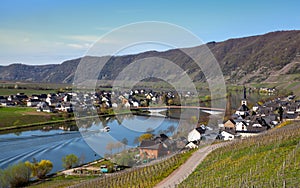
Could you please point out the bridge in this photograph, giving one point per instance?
(156, 109)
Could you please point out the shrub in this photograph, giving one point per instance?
(40, 169)
(15, 175)
(70, 161)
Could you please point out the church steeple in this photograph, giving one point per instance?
(245, 97)
(244, 100)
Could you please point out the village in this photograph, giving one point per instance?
(64, 101)
(243, 123)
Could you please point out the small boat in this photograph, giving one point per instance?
(106, 129)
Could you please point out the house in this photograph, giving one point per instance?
(181, 142)
(229, 124)
(243, 110)
(196, 134)
(49, 100)
(290, 116)
(3, 101)
(192, 145)
(114, 105)
(252, 131)
(151, 149)
(256, 107)
(229, 135)
(47, 108)
(33, 102)
(241, 126)
(64, 107)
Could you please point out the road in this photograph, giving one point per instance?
(188, 167)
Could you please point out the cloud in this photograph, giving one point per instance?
(79, 46)
(81, 38)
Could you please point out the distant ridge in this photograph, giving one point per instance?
(243, 60)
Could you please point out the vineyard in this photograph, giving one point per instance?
(146, 176)
(269, 160)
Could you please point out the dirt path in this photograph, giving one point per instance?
(188, 167)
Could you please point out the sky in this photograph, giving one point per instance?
(51, 31)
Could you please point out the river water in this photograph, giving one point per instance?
(55, 143)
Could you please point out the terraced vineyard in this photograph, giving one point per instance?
(146, 176)
(269, 160)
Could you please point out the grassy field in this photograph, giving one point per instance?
(12, 88)
(269, 160)
(17, 116)
(28, 92)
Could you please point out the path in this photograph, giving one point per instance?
(188, 167)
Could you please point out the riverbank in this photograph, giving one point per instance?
(19, 112)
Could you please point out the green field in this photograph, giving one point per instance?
(270, 160)
(12, 88)
(17, 116)
(28, 92)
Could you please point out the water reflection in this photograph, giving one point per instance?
(54, 142)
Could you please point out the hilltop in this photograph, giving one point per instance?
(261, 58)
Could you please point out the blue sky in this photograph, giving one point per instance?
(50, 31)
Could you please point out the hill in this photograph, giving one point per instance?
(269, 160)
(242, 60)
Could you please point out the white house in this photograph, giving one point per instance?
(135, 104)
(114, 105)
(33, 102)
(49, 100)
(256, 107)
(127, 105)
(195, 134)
(191, 145)
(228, 135)
(241, 126)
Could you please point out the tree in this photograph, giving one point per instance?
(136, 140)
(110, 146)
(16, 175)
(124, 142)
(40, 169)
(193, 120)
(70, 161)
(82, 159)
(118, 145)
(171, 129)
(280, 112)
(145, 136)
(126, 159)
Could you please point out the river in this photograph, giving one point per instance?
(54, 144)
